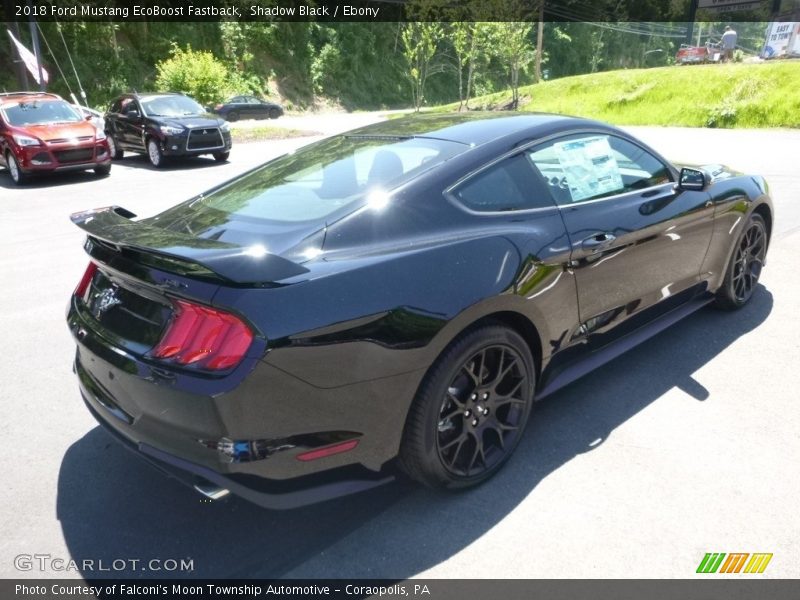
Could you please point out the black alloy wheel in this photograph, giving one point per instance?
(471, 410)
(745, 266)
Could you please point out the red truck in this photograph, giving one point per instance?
(692, 55)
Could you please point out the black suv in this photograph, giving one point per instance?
(165, 124)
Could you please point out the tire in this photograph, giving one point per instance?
(470, 411)
(233, 116)
(18, 176)
(274, 113)
(102, 170)
(744, 268)
(154, 153)
(221, 156)
(114, 151)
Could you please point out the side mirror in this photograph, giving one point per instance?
(693, 179)
(88, 117)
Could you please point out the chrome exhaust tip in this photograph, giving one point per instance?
(211, 491)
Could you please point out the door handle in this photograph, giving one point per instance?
(598, 241)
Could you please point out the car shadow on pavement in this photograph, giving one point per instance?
(172, 163)
(113, 506)
(50, 180)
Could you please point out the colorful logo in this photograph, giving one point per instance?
(737, 562)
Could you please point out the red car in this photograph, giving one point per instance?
(692, 55)
(41, 132)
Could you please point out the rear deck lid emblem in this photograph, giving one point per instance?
(106, 300)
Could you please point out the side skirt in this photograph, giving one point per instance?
(600, 357)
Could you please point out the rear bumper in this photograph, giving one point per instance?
(166, 417)
(267, 494)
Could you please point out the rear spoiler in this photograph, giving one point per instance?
(237, 264)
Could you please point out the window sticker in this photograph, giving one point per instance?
(589, 167)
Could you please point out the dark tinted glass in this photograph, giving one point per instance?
(322, 181)
(507, 186)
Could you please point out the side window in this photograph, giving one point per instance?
(237, 100)
(585, 167)
(506, 186)
(126, 104)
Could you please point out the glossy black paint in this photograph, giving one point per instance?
(344, 340)
(247, 107)
(131, 128)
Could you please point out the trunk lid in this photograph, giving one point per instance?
(182, 253)
(139, 270)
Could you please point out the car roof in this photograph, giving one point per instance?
(150, 94)
(473, 128)
(9, 98)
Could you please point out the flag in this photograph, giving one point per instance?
(29, 59)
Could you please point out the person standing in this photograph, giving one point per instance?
(728, 43)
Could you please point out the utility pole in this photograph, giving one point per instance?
(692, 17)
(539, 41)
(36, 50)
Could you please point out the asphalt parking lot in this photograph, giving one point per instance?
(688, 445)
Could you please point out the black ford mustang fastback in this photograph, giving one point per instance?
(397, 296)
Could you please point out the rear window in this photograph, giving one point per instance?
(40, 112)
(327, 179)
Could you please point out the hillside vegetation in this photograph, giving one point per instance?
(730, 95)
(358, 66)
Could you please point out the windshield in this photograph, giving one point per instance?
(40, 112)
(321, 182)
(171, 106)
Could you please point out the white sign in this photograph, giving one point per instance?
(589, 167)
(794, 45)
(779, 38)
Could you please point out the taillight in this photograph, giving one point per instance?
(204, 338)
(83, 285)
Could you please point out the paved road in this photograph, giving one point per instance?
(688, 445)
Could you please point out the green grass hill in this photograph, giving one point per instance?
(729, 95)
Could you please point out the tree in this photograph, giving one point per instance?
(471, 42)
(196, 73)
(514, 48)
(420, 41)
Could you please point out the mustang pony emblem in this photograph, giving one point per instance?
(106, 300)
